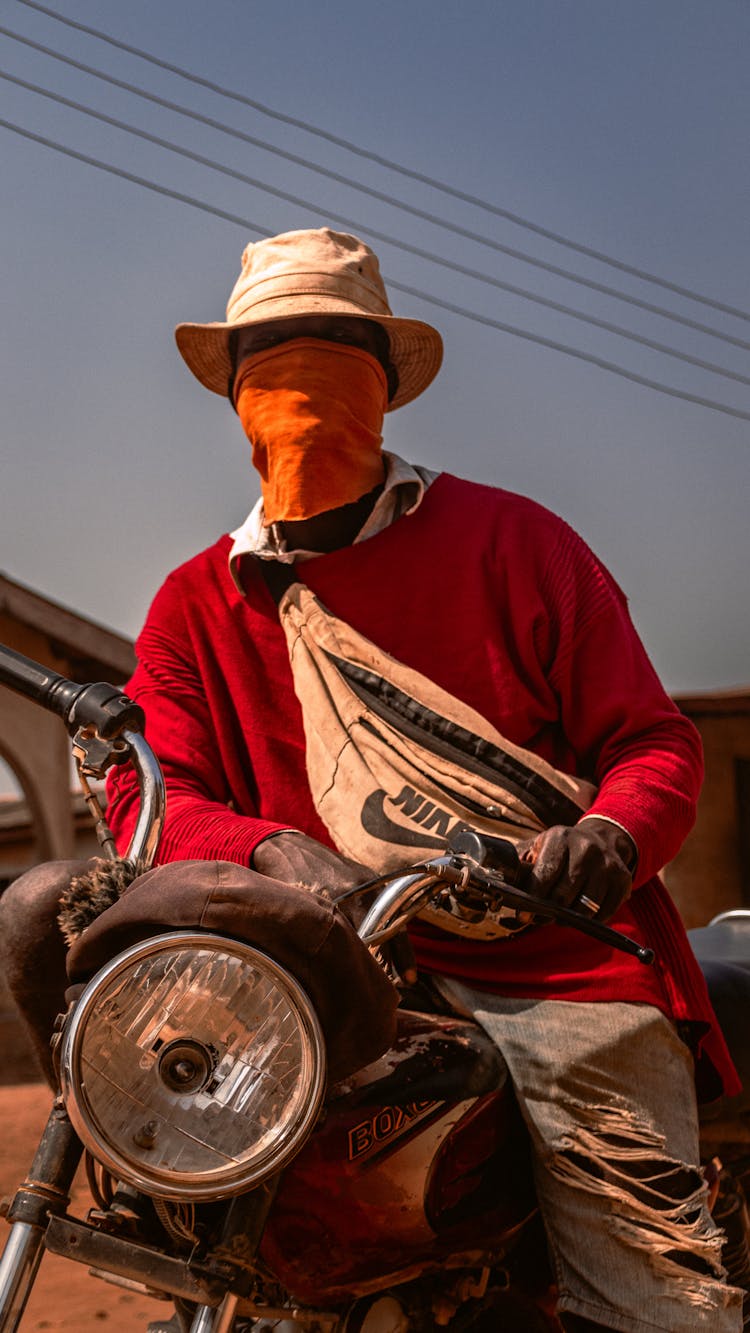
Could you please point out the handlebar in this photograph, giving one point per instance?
(107, 727)
(100, 705)
(478, 864)
(482, 870)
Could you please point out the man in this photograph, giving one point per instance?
(493, 605)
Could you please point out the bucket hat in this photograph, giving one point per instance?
(315, 272)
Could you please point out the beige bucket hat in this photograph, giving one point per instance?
(317, 272)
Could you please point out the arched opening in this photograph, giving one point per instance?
(20, 848)
(20, 844)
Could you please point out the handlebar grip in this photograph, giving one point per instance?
(100, 705)
(490, 852)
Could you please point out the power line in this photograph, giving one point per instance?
(572, 351)
(391, 165)
(396, 286)
(242, 136)
(418, 251)
(137, 180)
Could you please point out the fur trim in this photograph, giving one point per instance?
(87, 896)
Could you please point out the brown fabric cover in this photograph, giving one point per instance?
(355, 1001)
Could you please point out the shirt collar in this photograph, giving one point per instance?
(403, 492)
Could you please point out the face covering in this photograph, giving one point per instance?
(313, 412)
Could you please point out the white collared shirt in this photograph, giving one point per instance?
(402, 493)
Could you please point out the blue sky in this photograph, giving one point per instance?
(622, 126)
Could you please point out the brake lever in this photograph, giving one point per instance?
(505, 874)
(511, 895)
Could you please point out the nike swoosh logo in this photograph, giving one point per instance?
(376, 822)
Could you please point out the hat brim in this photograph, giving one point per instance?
(416, 347)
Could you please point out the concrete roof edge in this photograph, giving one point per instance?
(81, 637)
(733, 701)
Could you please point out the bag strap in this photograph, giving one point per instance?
(278, 577)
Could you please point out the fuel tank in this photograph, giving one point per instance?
(421, 1161)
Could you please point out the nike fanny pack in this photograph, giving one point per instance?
(396, 764)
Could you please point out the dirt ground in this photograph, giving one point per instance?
(65, 1296)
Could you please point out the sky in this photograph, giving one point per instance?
(622, 127)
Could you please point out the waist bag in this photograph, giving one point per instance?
(395, 763)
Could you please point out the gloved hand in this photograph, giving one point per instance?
(587, 867)
(294, 858)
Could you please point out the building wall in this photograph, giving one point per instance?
(34, 744)
(711, 873)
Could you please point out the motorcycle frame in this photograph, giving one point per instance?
(106, 727)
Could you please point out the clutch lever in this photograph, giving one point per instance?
(498, 867)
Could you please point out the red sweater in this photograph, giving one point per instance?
(503, 605)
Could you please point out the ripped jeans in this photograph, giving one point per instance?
(607, 1093)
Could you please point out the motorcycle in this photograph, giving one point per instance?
(230, 1174)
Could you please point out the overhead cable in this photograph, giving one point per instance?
(243, 137)
(486, 320)
(391, 165)
(418, 251)
(137, 180)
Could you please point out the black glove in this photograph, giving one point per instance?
(294, 858)
(588, 867)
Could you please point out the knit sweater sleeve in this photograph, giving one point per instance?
(200, 821)
(643, 753)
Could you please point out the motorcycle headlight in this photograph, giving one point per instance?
(192, 1066)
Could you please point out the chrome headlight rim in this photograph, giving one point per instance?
(157, 1182)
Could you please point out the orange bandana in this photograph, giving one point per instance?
(313, 412)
